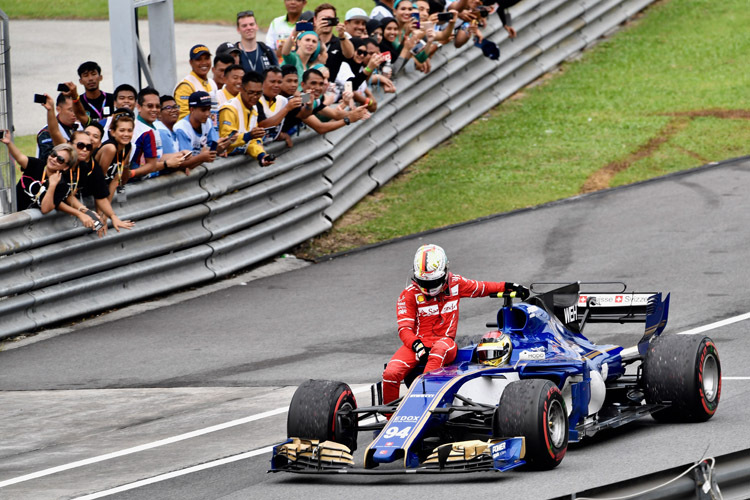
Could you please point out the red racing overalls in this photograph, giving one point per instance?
(433, 320)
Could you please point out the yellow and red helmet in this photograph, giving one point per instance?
(431, 269)
(494, 349)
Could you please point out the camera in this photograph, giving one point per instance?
(40, 98)
(444, 17)
(212, 145)
(2, 134)
(61, 87)
(332, 21)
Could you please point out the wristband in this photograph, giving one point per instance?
(367, 102)
(368, 70)
(76, 99)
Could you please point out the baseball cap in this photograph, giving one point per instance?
(307, 15)
(199, 99)
(227, 48)
(356, 13)
(198, 50)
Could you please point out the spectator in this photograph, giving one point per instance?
(233, 78)
(239, 119)
(147, 158)
(90, 182)
(289, 81)
(200, 62)
(254, 55)
(221, 63)
(381, 10)
(399, 48)
(170, 112)
(272, 107)
(96, 132)
(196, 132)
(375, 29)
(338, 49)
(281, 28)
(96, 103)
(125, 98)
(231, 49)
(373, 56)
(355, 22)
(67, 123)
(114, 155)
(358, 72)
(306, 54)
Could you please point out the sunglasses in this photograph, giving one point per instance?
(58, 158)
(245, 13)
(361, 52)
(83, 145)
(170, 108)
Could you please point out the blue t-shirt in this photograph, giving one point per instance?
(189, 139)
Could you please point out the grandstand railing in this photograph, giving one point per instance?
(232, 214)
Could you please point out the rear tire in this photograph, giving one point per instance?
(684, 371)
(535, 409)
(319, 410)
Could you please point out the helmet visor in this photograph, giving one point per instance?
(489, 352)
(431, 287)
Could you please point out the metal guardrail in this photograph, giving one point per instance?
(232, 214)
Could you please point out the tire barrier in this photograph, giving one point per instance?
(232, 214)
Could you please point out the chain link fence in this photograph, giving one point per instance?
(7, 166)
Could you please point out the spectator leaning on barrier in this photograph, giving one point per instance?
(233, 81)
(273, 108)
(281, 27)
(200, 62)
(148, 158)
(170, 111)
(338, 49)
(254, 55)
(238, 120)
(221, 62)
(114, 155)
(125, 98)
(306, 54)
(314, 85)
(97, 103)
(196, 132)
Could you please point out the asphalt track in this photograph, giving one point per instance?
(235, 355)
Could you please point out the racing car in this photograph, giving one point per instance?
(556, 387)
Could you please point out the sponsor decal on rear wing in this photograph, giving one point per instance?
(613, 299)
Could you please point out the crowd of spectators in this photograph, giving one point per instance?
(314, 70)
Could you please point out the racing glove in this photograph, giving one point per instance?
(521, 291)
(418, 347)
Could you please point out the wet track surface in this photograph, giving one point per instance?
(238, 352)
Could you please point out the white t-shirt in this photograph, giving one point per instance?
(269, 111)
(278, 32)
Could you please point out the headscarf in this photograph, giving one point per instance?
(316, 53)
(385, 45)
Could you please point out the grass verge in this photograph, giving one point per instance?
(200, 11)
(668, 92)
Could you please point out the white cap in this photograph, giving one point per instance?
(356, 13)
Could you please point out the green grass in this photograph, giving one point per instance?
(202, 11)
(683, 55)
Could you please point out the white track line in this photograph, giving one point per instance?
(718, 324)
(154, 444)
(245, 420)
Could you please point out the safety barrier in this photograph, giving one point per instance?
(233, 214)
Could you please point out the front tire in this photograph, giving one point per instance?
(320, 410)
(535, 409)
(685, 372)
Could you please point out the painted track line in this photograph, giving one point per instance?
(718, 324)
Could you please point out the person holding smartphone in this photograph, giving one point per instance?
(339, 48)
(195, 132)
(306, 53)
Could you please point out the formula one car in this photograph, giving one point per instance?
(556, 387)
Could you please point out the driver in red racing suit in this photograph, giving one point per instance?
(427, 312)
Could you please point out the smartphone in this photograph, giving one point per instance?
(348, 86)
(418, 47)
(61, 87)
(212, 145)
(95, 218)
(2, 134)
(489, 3)
(40, 98)
(444, 17)
(187, 155)
(233, 135)
(415, 16)
(483, 11)
(332, 21)
(305, 98)
(303, 26)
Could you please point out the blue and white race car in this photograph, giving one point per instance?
(556, 387)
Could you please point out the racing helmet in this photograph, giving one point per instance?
(431, 269)
(494, 349)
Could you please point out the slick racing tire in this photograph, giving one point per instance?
(534, 409)
(683, 371)
(320, 410)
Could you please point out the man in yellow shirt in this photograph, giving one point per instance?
(200, 62)
(239, 118)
